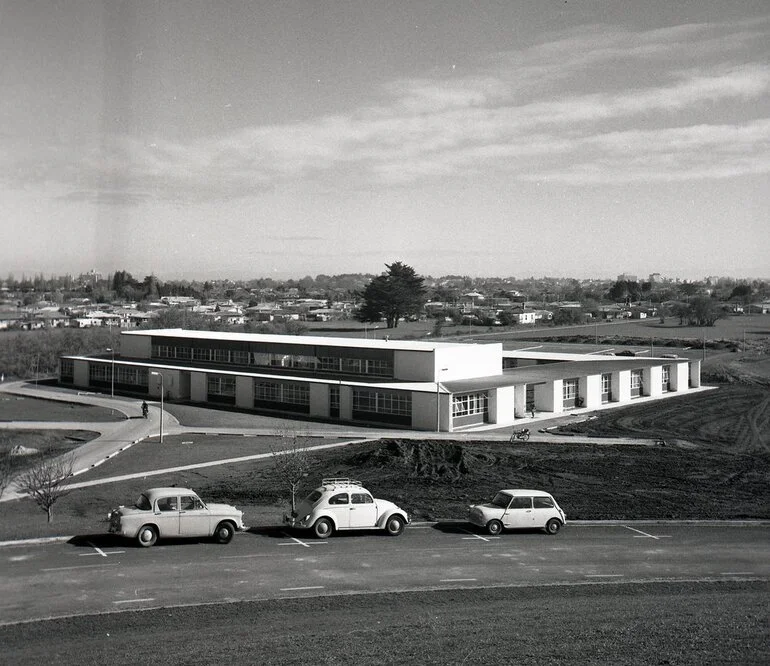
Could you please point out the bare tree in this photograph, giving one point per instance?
(291, 463)
(6, 469)
(45, 481)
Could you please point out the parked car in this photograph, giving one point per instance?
(173, 513)
(519, 509)
(344, 504)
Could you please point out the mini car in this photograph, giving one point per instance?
(519, 509)
(343, 504)
(173, 513)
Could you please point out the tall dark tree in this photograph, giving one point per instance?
(394, 294)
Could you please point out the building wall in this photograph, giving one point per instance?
(424, 410)
(621, 386)
(80, 372)
(590, 390)
(679, 376)
(548, 397)
(502, 402)
(413, 366)
(198, 387)
(135, 346)
(319, 400)
(694, 374)
(244, 392)
(653, 381)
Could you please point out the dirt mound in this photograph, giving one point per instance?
(427, 460)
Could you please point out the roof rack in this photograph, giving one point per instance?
(340, 481)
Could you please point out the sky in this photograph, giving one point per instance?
(205, 140)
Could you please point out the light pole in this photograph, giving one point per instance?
(162, 391)
(112, 378)
(438, 399)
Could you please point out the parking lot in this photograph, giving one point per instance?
(103, 573)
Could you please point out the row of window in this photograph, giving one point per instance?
(126, 375)
(291, 393)
(382, 402)
(355, 366)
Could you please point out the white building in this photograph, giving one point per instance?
(413, 385)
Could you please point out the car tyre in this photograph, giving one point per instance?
(394, 525)
(494, 527)
(147, 536)
(552, 526)
(323, 528)
(224, 532)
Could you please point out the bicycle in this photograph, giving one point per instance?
(522, 434)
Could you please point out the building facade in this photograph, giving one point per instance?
(404, 384)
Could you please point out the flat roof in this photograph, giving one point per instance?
(548, 372)
(321, 341)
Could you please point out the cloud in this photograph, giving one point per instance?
(597, 104)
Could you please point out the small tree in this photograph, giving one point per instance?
(45, 481)
(6, 469)
(291, 464)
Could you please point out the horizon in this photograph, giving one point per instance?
(286, 139)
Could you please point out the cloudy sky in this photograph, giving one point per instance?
(512, 138)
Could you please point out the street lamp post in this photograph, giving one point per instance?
(112, 373)
(162, 391)
(438, 399)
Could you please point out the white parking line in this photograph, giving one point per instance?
(645, 535)
(478, 536)
(297, 542)
(604, 575)
(297, 589)
(132, 601)
(99, 551)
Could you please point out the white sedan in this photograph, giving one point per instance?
(519, 509)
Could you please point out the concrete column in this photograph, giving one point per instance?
(520, 402)
(678, 375)
(652, 381)
(501, 405)
(198, 388)
(319, 400)
(549, 397)
(621, 386)
(244, 392)
(590, 390)
(346, 403)
(694, 374)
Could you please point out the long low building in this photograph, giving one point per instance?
(406, 384)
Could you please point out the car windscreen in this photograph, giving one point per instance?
(143, 503)
(313, 497)
(502, 500)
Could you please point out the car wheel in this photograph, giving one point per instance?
(394, 525)
(552, 526)
(224, 533)
(494, 527)
(323, 528)
(147, 536)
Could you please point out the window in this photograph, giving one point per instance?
(636, 383)
(569, 393)
(127, 375)
(361, 498)
(221, 385)
(190, 503)
(521, 503)
(239, 357)
(542, 502)
(469, 403)
(382, 402)
(221, 356)
(99, 372)
(167, 504)
(286, 393)
(666, 378)
(201, 354)
(184, 353)
(606, 387)
(341, 498)
(67, 369)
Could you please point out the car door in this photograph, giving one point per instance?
(363, 510)
(194, 517)
(519, 513)
(543, 510)
(338, 506)
(167, 516)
